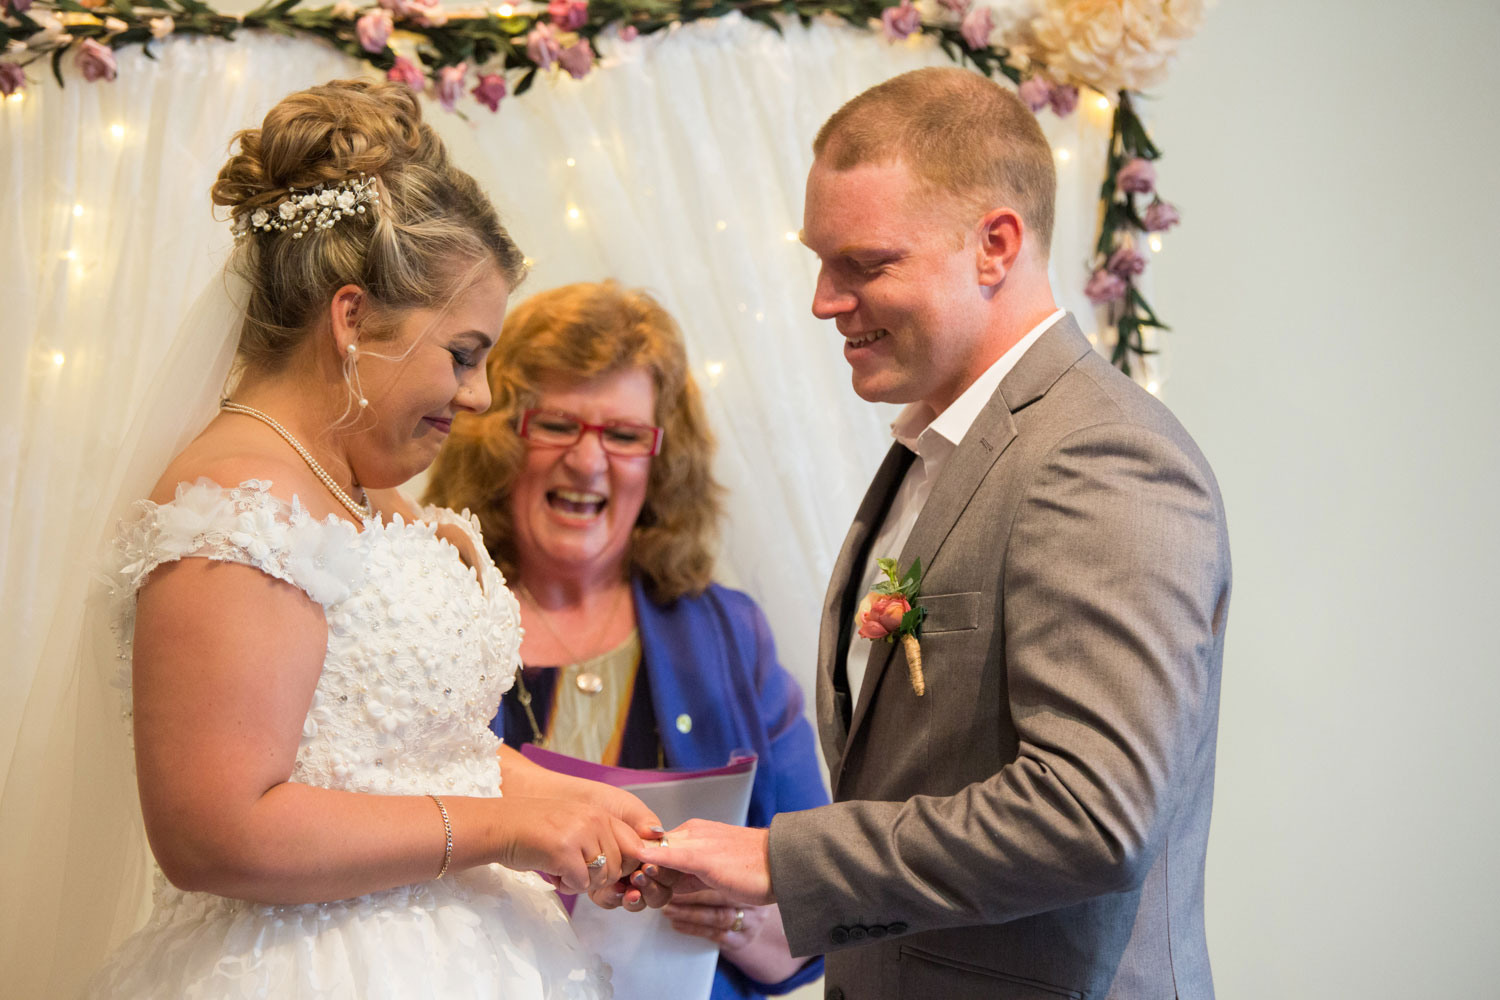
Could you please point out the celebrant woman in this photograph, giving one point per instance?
(590, 474)
(312, 661)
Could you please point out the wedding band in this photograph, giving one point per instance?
(739, 921)
(599, 862)
(663, 842)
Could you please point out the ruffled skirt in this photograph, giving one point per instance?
(485, 932)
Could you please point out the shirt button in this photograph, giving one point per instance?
(684, 723)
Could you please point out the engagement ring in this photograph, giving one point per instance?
(598, 862)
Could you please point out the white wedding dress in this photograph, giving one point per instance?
(419, 653)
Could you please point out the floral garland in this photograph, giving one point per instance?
(1113, 46)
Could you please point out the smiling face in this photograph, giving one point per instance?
(416, 381)
(574, 507)
(899, 277)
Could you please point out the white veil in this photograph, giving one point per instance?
(75, 873)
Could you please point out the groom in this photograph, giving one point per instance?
(1034, 825)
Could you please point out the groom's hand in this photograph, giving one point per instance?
(734, 860)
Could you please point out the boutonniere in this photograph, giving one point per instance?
(887, 613)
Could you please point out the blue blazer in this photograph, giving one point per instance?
(711, 659)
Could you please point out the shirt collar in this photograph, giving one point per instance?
(919, 429)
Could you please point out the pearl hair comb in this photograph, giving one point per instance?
(319, 208)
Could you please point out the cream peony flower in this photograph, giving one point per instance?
(1113, 44)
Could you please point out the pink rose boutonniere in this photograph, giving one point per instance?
(887, 613)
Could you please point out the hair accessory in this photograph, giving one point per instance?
(447, 835)
(319, 208)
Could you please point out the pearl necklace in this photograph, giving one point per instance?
(362, 512)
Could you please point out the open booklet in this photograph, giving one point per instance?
(650, 959)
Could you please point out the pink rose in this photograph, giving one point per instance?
(12, 78)
(18, 7)
(1160, 216)
(95, 61)
(1064, 100)
(490, 90)
(900, 22)
(1137, 177)
(629, 33)
(569, 15)
(373, 30)
(577, 59)
(450, 85)
(883, 617)
(1035, 92)
(1127, 261)
(976, 27)
(542, 47)
(400, 8)
(1104, 287)
(407, 72)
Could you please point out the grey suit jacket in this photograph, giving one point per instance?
(1035, 826)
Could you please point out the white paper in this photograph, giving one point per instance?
(651, 961)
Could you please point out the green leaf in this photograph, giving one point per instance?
(527, 79)
(914, 574)
(57, 55)
(912, 620)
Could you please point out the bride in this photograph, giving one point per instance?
(310, 662)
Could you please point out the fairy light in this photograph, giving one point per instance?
(70, 255)
(1102, 103)
(78, 211)
(506, 10)
(571, 162)
(1155, 243)
(1063, 156)
(760, 317)
(1153, 387)
(17, 97)
(59, 359)
(527, 263)
(117, 130)
(573, 213)
(791, 237)
(721, 225)
(715, 371)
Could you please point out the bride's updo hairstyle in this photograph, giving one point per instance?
(426, 237)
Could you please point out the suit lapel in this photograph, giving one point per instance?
(1038, 370)
(839, 602)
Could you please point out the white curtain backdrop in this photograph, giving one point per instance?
(678, 166)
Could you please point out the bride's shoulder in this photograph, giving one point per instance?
(208, 461)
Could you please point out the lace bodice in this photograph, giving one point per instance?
(419, 649)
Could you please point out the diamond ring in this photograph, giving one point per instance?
(739, 921)
(598, 862)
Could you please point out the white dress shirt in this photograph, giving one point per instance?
(933, 437)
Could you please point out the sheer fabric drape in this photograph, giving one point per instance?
(678, 166)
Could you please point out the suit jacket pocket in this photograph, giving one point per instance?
(950, 612)
(925, 976)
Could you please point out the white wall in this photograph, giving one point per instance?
(1335, 354)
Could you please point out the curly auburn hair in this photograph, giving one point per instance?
(572, 334)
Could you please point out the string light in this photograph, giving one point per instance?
(760, 317)
(1155, 243)
(573, 213)
(70, 255)
(59, 359)
(506, 10)
(791, 237)
(571, 162)
(1153, 387)
(721, 225)
(715, 371)
(77, 211)
(527, 262)
(1103, 103)
(17, 97)
(117, 130)
(1062, 155)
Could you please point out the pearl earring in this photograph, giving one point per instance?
(352, 350)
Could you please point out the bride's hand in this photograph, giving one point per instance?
(561, 838)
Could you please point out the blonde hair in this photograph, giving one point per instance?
(572, 334)
(960, 133)
(430, 233)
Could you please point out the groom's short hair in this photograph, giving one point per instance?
(959, 132)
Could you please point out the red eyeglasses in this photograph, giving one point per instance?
(555, 429)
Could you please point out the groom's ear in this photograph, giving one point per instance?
(1001, 234)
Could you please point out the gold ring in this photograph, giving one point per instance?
(739, 921)
(599, 862)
